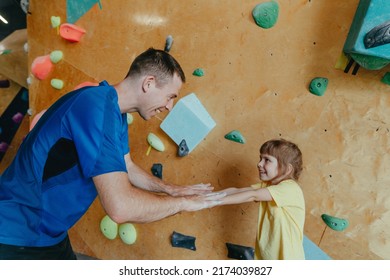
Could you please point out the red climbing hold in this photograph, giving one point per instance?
(41, 67)
(71, 32)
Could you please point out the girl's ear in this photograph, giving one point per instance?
(290, 169)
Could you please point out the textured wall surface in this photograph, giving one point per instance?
(256, 81)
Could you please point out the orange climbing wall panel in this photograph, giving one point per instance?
(256, 81)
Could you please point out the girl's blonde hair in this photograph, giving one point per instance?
(286, 153)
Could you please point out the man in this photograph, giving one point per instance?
(79, 149)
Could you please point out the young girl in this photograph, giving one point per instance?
(282, 205)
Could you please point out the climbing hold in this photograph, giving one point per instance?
(183, 241)
(36, 119)
(24, 96)
(183, 149)
(335, 223)
(25, 47)
(370, 62)
(5, 52)
(378, 36)
(56, 56)
(386, 78)
(4, 83)
(235, 136)
(41, 67)
(198, 72)
(57, 83)
(168, 43)
(129, 118)
(318, 86)
(239, 252)
(108, 227)
(71, 32)
(55, 21)
(266, 14)
(128, 233)
(3, 147)
(157, 170)
(85, 84)
(18, 117)
(188, 120)
(341, 62)
(155, 142)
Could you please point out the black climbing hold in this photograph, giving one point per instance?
(240, 252)
(378, 36)
(183, 149)
(157, 170)
(183, 241)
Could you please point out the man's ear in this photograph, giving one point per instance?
(148, 82)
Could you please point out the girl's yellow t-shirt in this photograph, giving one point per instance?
(280, 224)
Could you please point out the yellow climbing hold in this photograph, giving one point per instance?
(57, 83)
(128, 233)
(129, 118)
(55, 21)
(56, 56)
(109, 228)
(155, 142)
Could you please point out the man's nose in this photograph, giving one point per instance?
(169, 106)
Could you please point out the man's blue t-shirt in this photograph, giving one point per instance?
(48, 186)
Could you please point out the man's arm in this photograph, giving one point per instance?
(125, 203)
(141, 179)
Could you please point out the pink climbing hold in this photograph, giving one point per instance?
(71, 32)
(18, 117)
(86, 84)
(41, 67)
(3, 147)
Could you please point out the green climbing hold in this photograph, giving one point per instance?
(127, 233)
(370, 62)
(335, 223)
(5, 52)
(318, 86)
(108, 227)
(266, 14)
(386, 78)
(57, 83)
(198, 72)
(235, 136)
(56, 56)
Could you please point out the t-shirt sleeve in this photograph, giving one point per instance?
(285, 193)
(98, 135)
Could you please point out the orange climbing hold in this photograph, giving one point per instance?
(71, 32)
(41, 67)
(86, 84)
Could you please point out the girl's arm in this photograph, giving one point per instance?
(242, 195)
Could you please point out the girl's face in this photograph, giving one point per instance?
(268, 168)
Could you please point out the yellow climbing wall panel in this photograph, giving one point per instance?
(256, 81)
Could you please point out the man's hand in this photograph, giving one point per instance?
(199, 202)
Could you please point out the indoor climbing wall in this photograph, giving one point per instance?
(253, 81)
